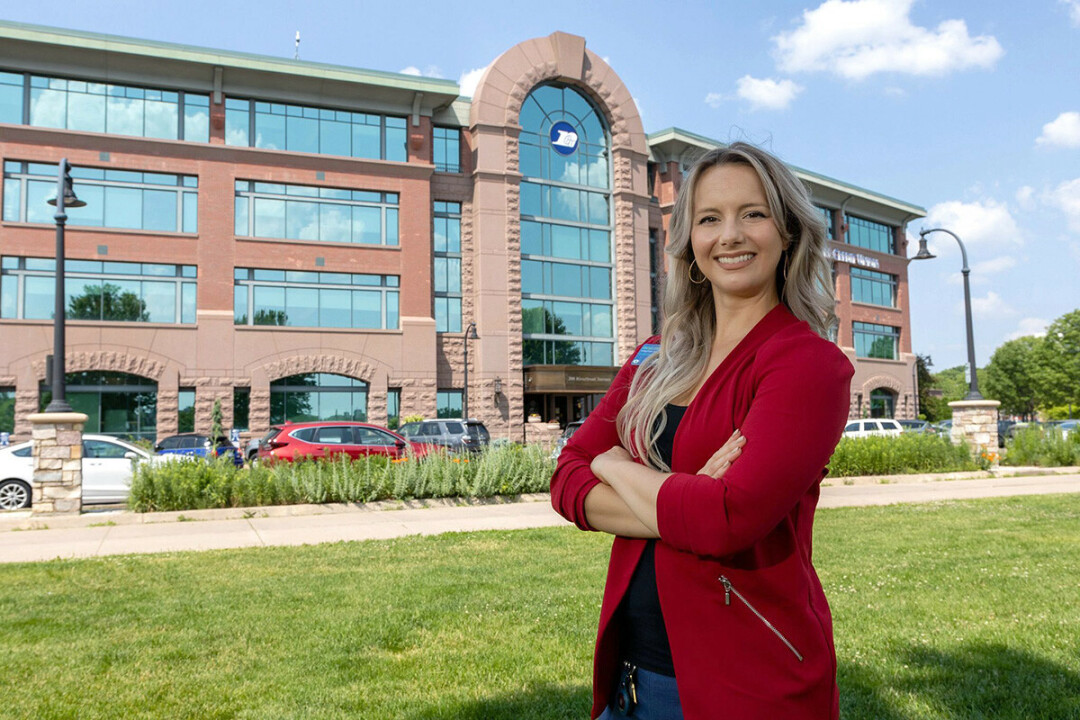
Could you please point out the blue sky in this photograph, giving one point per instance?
(970, 110)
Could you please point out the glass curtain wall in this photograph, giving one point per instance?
(116, 404)
(317, 396)
(566, 231)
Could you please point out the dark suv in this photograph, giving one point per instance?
(453, 434)
(196, 445)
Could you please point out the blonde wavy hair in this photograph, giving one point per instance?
(689, 313)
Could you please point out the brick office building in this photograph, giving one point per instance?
(302, 240)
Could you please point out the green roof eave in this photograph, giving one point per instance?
(447, 90)
(679, 137)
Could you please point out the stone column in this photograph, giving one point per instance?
(57, 462)
(975, 422)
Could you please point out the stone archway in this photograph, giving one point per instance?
(495, 237)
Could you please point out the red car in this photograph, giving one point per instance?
(314, 440)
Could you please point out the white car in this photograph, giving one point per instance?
(107, 467)
(873, 426)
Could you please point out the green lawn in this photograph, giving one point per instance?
(953, 610)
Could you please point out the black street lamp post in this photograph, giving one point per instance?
(65, 197)
(470, 334)
(925, 254)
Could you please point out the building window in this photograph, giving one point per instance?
(393, 408)
(447, 149)
(7, 409)
(876, 341)
(103, 108)
(827, 216)
(317, 396)
(872, 287)
(120, 199)
(116, 404)
(96, 290)
(869, 234)
(447, 238)
(241, 403)
(566, 233)
(185, 411)
(302, 212)
(296, 298)
(882, 403)
(299, 128)
(448, 403)
(655, 263)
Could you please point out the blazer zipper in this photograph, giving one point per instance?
(729, 589)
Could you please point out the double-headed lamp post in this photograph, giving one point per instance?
(65, 197)
(470, 334)
(925, 254)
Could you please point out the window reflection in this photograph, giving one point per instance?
(317, 396)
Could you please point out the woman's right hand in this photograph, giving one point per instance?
(721, 460)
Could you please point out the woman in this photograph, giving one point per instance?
(704, 460)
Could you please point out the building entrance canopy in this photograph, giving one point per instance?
(568, 378)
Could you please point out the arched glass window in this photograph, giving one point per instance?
(882, 403)
(317, 396)
(567, 301)
(115, 403)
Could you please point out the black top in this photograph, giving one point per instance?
(642, 636)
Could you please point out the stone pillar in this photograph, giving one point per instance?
(57, 462)
(975, 422)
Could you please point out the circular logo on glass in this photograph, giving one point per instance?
(564, 138)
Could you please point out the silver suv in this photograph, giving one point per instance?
(452, 434)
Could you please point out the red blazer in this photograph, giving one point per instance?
(749, 626)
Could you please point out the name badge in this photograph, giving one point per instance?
(646, 350)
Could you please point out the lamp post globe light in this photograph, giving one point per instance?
(470, 334)
(65, 198)
(925, 254)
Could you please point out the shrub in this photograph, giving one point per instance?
(908, 453)
(1047, 447)
(188, 485)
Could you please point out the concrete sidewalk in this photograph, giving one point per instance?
(117, 532)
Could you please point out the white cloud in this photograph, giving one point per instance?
(858, 38)
(432, 71)
(980, 270)
(1063, 131)
(990, 306)
(766, 93)
(1074, 10)
(1029, 326)
(469, 80)
(1025, 197)
(1066, 197)
(983, 222)
(714, 100)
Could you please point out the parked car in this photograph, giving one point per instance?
(873, 426)
(567, 433)
(917, 426)
(1067, 427)
(455, 435)
(1003, 430)
(944, 427)
(195, 445)
(315, 440)
(107, 467)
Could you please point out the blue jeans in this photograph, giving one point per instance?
(658, 699)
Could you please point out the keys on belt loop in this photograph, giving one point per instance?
(626, 695)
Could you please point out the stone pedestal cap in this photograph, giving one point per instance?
(57, 418)
(975, 404)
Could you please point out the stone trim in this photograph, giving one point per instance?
(107, 361)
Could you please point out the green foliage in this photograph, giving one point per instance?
(1062, 412)
(1057, 361)
(908, 453)
(1011, 376)
(411, 418)
(108, 302)
(216, 420)
(189, 485)
(1046, 447)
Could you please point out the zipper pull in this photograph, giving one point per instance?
(727, 589)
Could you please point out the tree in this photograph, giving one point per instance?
(216, 421)
(111, 303)
(1011, 376)
(1057, 362)
(541, 320)
(931, 406)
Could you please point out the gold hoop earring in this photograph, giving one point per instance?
(690, 273)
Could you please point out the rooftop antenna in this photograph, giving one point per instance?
(296, 55)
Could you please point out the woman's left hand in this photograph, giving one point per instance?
(602, 463)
